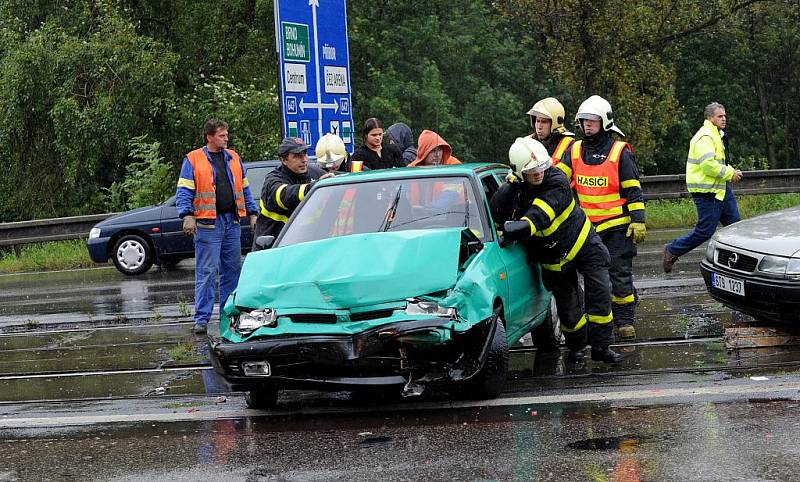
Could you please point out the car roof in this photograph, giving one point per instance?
(264, 163)
(466, 169)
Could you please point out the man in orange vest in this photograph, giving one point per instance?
(212, 196)
(606, 180)
(547, 122)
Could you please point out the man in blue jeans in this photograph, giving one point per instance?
(213, 194)
(708, 179)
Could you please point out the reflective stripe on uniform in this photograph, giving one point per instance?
(635, 206)
(271, 215)
(533, 226)
(630, 183)
(187, 183)
(278, 196)
(565, 169)
(623, 300)
(577, 326)
(587, 227)
(612, 223)
(600, 319)
(615, 211)
(598, 199)
(692, 160)
(545, 207)
(558, 221)
(302, 194)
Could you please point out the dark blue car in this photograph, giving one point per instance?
(137, 239)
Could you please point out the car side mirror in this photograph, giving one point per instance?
(264, 242)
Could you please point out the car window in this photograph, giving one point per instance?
(256, 177)
(490, 185)
(391, 205)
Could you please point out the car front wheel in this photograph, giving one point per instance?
(489, 381)
(132, 255)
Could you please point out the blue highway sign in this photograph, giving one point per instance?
(315, 69)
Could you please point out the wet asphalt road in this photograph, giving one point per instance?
(100, 378)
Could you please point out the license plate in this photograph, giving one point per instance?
(724, 283)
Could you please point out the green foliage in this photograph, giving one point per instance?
(148, 179)
(47, 257)
(680, 213)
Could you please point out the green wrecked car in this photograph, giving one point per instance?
(384, 278)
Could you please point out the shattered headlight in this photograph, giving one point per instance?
(248, 322)
(94, 233)
(424, 307)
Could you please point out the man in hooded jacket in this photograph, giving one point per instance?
(400, 135)
(432, 150)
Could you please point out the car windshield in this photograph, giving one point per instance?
(390, 205)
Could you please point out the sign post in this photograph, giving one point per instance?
(314, 68)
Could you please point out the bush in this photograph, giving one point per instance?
(148, 179)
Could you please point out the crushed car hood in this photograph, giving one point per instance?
(775, 233)
(350, 271)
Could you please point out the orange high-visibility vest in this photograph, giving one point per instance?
(356, 166)
(205, 197)
(561, 148)
(598, 185)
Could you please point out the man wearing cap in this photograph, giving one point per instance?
(547, 122)
(213, 194)
(536, 207)
(285, 187)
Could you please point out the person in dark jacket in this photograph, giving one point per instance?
(373, 153)
(401, 136)
(540, 210)
(606, 180)
(285, 187)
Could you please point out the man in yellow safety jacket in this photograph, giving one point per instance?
(708, 179)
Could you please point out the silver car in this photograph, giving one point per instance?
(754, 266)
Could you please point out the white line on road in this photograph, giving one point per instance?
(740, 389)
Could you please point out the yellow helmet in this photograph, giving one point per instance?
(597, 108)
(551, 108)
(330, 151)
(528, 155)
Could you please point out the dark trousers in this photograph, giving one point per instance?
(623, 293)
(588, 320)
(710, 212)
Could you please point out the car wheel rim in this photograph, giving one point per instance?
(131, 255)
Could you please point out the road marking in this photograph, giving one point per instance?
(590, 397)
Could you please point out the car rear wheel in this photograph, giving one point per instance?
(262, 398)
(489, 381)
(547, 335)
(132, 255)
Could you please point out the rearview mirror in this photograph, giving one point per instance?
(264, 242)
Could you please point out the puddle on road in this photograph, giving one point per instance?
(626, 443)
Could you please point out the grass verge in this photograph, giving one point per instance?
(53, 256)
(681, 213)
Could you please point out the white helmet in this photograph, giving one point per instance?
(528, 155)
(330, 151)
(597, 108)
(552, 109)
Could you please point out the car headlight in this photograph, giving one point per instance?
(94, 233)
(712, 246)
(248, 322)
(793, 269)
(774, 265)
(423, 307)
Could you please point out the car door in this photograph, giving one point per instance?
(526, 297)
(171, 241)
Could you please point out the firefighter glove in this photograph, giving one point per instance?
(189, 225)
(638, 231)
(516, 230)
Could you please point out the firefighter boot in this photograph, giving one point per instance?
(606, 355)
(626, 332)
(575, 357)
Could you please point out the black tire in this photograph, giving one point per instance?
(132, 255)
(262, 398)
(547, 335)
(489, 381)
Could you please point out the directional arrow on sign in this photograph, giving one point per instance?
(318, 105)
(314, 4)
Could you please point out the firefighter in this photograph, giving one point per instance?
(547, 122)
(332, 155)
(538, 208)
(285, 187)
(606, 181)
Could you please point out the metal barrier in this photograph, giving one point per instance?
(655, 187)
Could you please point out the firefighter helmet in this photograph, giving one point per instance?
(330, 151)
(550, 108)
(528, 155)
(597, 108)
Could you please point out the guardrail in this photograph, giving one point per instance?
(655, 187)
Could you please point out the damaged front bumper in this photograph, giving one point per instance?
(395, 353)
